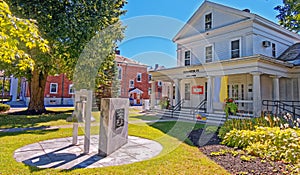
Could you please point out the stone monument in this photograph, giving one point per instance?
(83, 113)
(113, 125)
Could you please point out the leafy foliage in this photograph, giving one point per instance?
(4, 107)
(289, 15)
(18, 39)
(268, 143)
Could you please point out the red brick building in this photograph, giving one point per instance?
(134, 84)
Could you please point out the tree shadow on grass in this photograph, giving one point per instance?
(177, 129)
(37, 132)
(29, 121)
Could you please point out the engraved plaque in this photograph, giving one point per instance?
(119, 118)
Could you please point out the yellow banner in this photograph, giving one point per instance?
(223, 89)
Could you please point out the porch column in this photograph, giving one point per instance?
(257, 103)
(153, 100)
(177, 90)
(210, 88)
(171, 93)
(13, 88)
(299, 87)
(276, 95)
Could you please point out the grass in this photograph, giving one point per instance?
(177, 157)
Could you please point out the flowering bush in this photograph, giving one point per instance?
(230, 107)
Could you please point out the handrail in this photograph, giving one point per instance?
(283, 106)
(177, 106)
(200, 105)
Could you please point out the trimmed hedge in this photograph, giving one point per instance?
(4, 107)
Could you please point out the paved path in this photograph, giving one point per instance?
(61, 154)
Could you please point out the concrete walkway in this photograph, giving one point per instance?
(61, 154)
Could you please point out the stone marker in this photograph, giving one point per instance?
(113, 125)
(83, 113)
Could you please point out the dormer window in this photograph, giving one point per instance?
(208, 21)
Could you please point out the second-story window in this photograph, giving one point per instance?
(208, 21)
(235, 48)
(274, 50)
(187, 58)
(131, 84)
(71, 89)
(149, 77)
(208, 54)
(139, 77)
(120, 73)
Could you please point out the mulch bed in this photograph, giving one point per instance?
(234, 165)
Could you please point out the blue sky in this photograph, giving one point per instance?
(151, 25)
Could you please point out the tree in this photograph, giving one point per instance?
(68, 25)
(289, 15)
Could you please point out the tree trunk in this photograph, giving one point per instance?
(37, 88)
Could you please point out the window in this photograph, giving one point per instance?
(208, 54)
(149, 77)
(274, 50)
(208, 21)
(187, 58)
(187, 91)
(131, 84)
(149, 91)
(120, 73)
(139, 77)
(71, 89)
(235, 48)
(53, 88)
(159, 83)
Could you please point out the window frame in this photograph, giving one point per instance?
(56, 84)
(149, 77)
(187, 91)
(120, 71)
(239, 49)
(159, 83)
(131, 85)
(186, 58)
(70, 87)
(137, 77)
(212, 53)
(206, 23)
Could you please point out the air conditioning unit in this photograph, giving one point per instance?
(266, 43)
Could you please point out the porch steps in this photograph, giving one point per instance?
(216, 118)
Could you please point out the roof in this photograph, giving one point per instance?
(121, 59)
(243, 13)
(136, 90)
(291, 55)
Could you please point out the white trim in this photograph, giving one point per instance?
(131, 85)
(55, 88)
(240, 47)
(71, 87)
(137, 79)
(212, 53)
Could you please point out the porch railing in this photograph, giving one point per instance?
(200, 106)
(177, 107)
(277, 107)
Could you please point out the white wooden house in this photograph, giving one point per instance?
(220, 44)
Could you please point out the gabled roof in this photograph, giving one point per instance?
(291, 55)
(136, 90)
(121, 59)
(230, 10)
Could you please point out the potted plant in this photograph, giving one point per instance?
(231, 107)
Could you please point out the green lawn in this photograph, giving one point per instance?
(177, 157)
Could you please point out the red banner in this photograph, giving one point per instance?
(197, 90)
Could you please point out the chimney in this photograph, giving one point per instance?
(156, 66)
(247, 10)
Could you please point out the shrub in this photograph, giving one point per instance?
(268, 143)
(4, 107)
(250, 124)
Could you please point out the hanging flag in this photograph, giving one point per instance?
(223, 90)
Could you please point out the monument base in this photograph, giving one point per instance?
(113, 125)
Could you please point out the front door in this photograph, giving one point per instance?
(237, 92)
